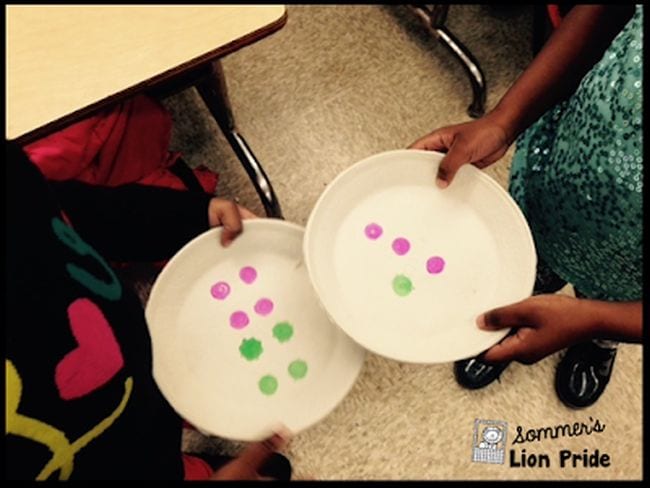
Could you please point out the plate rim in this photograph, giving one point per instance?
(505, 196)
(203, 235)
(164, 390)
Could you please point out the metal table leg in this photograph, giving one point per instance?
(434, 18)
(214, 93)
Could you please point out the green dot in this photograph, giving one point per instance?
(283, 331)
(402, 285)
(268, 384)
(298, 369)
(251, 349)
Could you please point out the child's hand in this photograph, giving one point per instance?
(544, 324)
(229, 214)
(480, 142)
(247, 465)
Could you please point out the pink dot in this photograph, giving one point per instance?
(373, 231)
(220, 290)
(264, 306)
(239, 320)
(435, 265)
(401, 246)
(248, 274)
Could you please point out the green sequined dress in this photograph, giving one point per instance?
(577, 175)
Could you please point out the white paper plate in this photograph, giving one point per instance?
(481, 251)
(197, 361)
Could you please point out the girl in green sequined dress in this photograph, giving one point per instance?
(577, 174)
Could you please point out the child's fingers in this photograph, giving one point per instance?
(444, 140)
(515, 315)
(436, 141)
(256, 454)
(246, 214)
(226, 213)
(507, 350)
(451, 163)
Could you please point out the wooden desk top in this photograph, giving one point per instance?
(66, 60)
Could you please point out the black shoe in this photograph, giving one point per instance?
(473, 373)
(583, 373)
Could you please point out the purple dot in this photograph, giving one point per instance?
(220, 290)
(248, 274)
(435, 265)
(264, 306)
(401, 246)
(239, 320)
(373, 231)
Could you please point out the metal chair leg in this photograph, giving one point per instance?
(214, 93)
(472, 68)
(434, 19)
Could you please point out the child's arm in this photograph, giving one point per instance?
(572, 50)
(144, 223)
(553, 75)
(251, 461)
(548, 323)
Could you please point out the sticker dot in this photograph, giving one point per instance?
(251, 349)
(268, 384)
(283, 331)
(298, 369)
(401, 246)
(248, 274)
(239, 320)
(373, 231)
(264, 306)
(220, 290)
(435, 265)
(402, 285)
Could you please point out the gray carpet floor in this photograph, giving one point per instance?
(335, 85)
